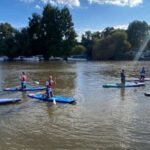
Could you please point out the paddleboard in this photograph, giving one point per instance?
(119, 85)
(26, 89)
(147, 94)
(137, 79)
(9, 100)
(61, 99)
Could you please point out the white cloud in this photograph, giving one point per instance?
(130, 3)
(63, 2)
(121, 26)
(70, 3)
(76, 3)
(37, 7)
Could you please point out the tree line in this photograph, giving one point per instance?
(52, 34)
(49, 34)
(117, 44)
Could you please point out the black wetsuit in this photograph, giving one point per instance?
(122, 75)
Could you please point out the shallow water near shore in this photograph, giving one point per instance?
(114, 119)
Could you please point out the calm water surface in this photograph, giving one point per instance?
(102, 119)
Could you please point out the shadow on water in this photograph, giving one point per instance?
(122, 93)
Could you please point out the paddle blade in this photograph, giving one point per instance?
(54, 101)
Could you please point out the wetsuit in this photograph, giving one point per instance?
(122, 75)
(142, 74)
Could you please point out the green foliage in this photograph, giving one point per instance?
(107, 32)
(49, 34)
(78, 50)
(34, 34)
(111, 47)
(137, 31)
(52, 34)
(87, 42)
(68, 33)
(7, 40)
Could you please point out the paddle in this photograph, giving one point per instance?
(54, 101)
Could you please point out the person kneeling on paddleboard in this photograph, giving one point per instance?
(50, 84)
(122, 76)
(23, 80)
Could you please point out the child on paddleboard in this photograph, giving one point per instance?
(50, 84)
(23, 79)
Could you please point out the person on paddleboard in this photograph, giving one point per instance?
(142, 74)
(122, 76)
(50, 84)
(23, 79)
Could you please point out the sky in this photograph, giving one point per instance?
(94, 15)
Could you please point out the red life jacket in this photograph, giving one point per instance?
(50, 83)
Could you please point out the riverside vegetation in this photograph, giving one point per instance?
(52, 33)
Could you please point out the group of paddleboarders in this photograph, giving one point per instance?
(50, 84)
(141, 79)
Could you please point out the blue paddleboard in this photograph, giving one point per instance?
(9, 100)
(137, 79)
(119, 85)
(61, 99)
(26, 89)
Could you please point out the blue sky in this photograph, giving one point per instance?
(87, 14)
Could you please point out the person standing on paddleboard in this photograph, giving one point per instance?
(50, 84)
(142, 74)
(122, 76)
(23, 79)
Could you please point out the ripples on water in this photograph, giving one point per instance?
(115, 119)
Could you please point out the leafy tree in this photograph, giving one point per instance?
(96, 35)
(68, 33)
(78, 50)
(111, 47)
(107, 32)
(34, 34)
(7, 40)
(87, 42)
(22, 42)
(137, 31)
(50, 31)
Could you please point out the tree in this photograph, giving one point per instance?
(87, 42)
(112, 47)
(78, 50)
(122, 46)
(22, 41)
(68, 33)
(137, 31)
(7, 40)
(34, 34)
(107, 32)
(50, 31)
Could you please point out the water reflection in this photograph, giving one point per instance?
(122, 93)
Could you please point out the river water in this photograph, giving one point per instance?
(101, 119)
